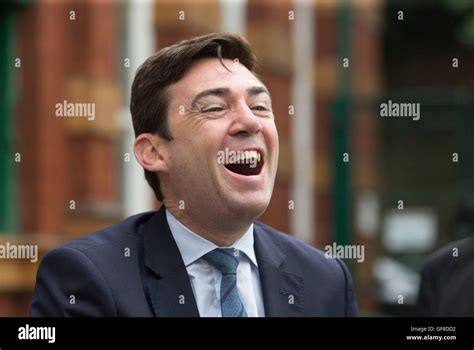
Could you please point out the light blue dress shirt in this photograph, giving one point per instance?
(206, 279)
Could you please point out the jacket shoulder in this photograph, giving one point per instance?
(126, 230)
(452, 254)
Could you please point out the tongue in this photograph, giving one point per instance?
(243, 169)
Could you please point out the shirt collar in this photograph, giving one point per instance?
(192, 246)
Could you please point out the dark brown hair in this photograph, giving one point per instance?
(150, 98)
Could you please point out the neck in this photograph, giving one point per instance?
(222, 236)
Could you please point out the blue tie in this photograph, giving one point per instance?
(226, 261)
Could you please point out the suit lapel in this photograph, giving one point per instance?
(282, 290)
(169, 291)
(166, 280)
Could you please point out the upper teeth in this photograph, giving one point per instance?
(239, 156)
(252, 154)
(243, 157)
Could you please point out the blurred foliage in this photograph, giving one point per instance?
(465, 28)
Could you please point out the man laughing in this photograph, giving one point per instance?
(203, 253)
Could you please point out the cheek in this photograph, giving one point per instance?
(198, 152)
(271, 136)
(211, 137)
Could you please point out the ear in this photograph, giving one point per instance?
(151, 152)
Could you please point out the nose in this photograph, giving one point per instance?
(245, 122)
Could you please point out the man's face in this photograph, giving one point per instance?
(223, 158)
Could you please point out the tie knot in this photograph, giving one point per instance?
(225, 260)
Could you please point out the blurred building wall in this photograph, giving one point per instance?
(69, 178)
(68, 174)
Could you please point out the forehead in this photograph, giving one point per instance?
(209, 73)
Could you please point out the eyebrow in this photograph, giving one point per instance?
(224, 91)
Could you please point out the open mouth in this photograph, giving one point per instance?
(247, 163)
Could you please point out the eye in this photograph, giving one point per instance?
(260, 108)
(213, 109)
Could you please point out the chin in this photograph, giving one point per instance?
(250, 206)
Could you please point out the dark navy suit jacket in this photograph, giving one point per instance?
(134, 268)
(447, 282)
